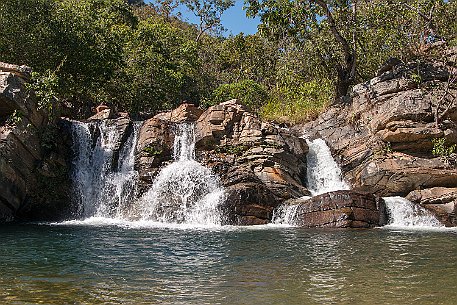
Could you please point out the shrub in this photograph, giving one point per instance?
(248, 92)
(299, 103)
(440, 149)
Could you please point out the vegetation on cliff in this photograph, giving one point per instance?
(142, 58)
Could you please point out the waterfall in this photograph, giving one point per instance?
(104, 180)
(323, 173)
(285, 214)
(403, 213)
(184, 191)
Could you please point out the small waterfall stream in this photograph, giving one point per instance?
(184, 191)
(405, 214)
(323, 173)
(103, 186)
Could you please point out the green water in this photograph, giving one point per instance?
(117, 265)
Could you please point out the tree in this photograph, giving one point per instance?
(135, 2)
(80, 41)
(209, 13)
(161, 64)
(314, 20)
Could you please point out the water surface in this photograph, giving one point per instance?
(80, 264)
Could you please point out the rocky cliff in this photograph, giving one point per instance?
(33, 154)
(396, 134)
(260, 165)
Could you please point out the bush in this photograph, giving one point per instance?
(300, 103)
(248, 92)
(440, 149)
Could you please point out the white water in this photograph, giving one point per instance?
(405, 214)
(101, 189)
(186, 194)
(184, 191)
(323, 175)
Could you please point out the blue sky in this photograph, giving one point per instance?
(234, 19)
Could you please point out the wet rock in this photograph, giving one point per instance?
(260, 164)
(340, 209)
(441, 201)
(155, 146)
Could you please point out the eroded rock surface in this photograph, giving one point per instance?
(34, 155)
(441, 201)
(340, 209)
(384, 138)
(260, 165)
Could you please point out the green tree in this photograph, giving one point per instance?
(161, 64)
(248, 92)
(80, 41)
(315, 21)
(209, 13)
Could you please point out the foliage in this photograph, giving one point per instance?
(160, 69)
(79, 39)
(152, 151)
(347, 41)
(15, 118)
(144, 58)
(248, 92)
(440, 149)
(209, 13)
(237, 150)
(45, 86)
(297, 103)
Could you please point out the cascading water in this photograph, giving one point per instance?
(184, 191)
(103, 191)
(405, 214)
(323, 175)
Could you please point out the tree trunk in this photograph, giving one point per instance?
(343, 82)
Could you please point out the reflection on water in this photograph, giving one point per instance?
(116, 265)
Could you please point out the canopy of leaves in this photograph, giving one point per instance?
(144, 58)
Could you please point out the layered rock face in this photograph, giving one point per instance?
(33, 164)
(385, 136)
(441, 201)
(259, 164)
(340, 209)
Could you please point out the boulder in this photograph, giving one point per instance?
(260, 165)
(339, 209)
(20, 71)
(154, 147)
(441, 201)
(102, 115)
(184, 113)
(398, 174)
